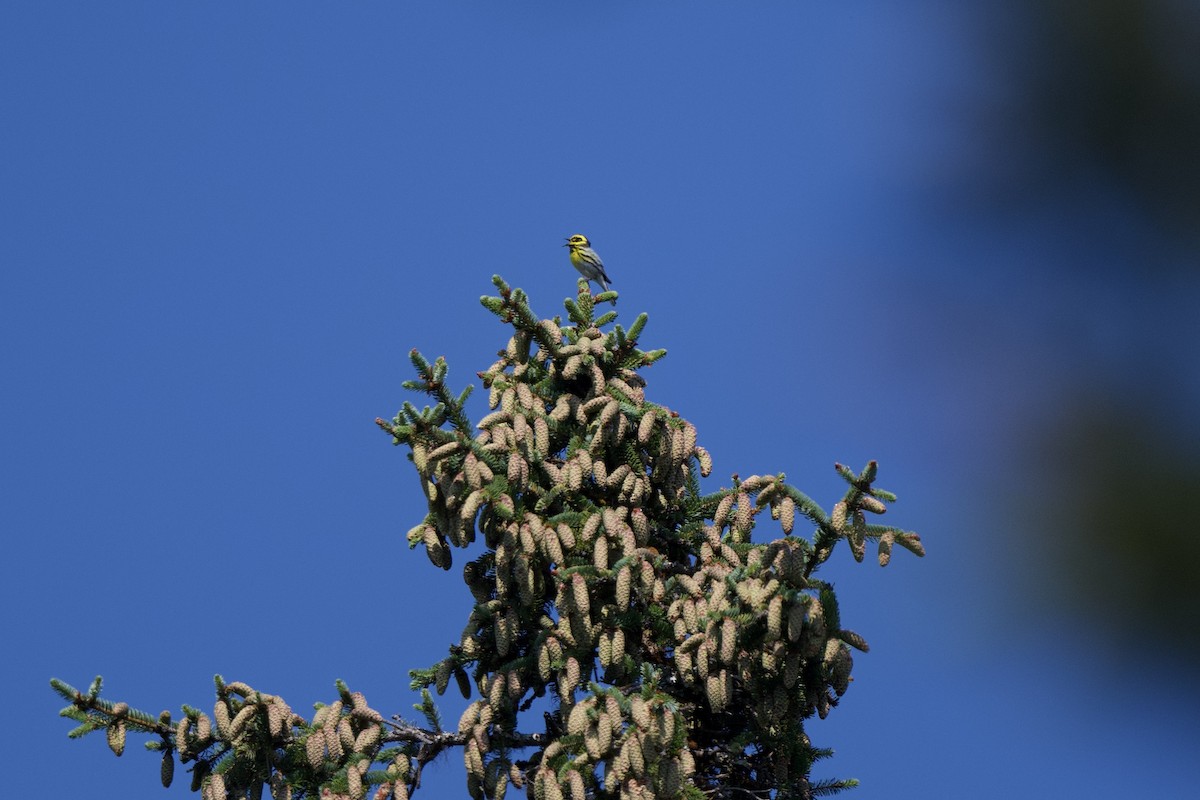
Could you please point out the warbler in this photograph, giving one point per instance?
(587, 260)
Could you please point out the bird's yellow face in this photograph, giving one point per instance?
(577, 241)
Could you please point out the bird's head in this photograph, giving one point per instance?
(578, 240)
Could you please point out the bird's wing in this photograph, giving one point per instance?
(593, 258)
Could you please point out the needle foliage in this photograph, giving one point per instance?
(632, 636)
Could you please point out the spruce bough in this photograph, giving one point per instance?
(629, 639)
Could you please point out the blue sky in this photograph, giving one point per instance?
(226, 224)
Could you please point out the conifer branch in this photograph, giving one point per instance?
(680, 646)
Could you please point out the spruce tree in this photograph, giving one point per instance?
(632, 636)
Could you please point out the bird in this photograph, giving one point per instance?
(587, 260)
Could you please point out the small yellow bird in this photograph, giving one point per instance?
(587, 261)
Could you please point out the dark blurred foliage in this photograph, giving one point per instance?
(1106, 113)
(1109, 100)
(1116, 522)
(1122, 95)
